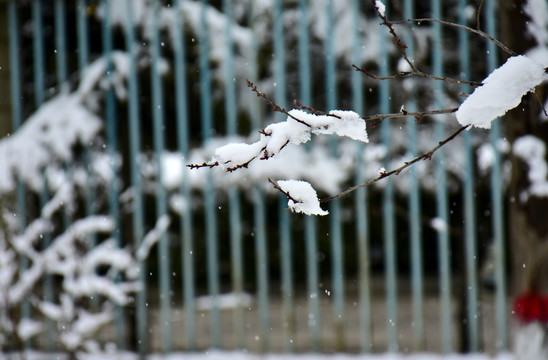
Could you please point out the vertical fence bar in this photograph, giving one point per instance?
(233, 193)
(82, 33)
(497, 195)
(60, 47)
(262, 268)
(187, 233)
(83, 60)
(335, 232)
(38, 52)
(472, 313)
(310, 236)
(17, 122)
(441, 190)
(62, 86)
(414, 205)
(160, 192)
(284, 222)
(39, 97)
(259, 220)
(112, 151)
(390, 266)
(286, 258)
(209, 194)
(361, 196)
(16, 98)
(138, 218)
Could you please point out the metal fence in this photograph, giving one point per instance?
(236, 269)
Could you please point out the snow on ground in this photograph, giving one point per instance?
(238, 355)
(219, 355)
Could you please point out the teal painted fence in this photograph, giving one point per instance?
(394, 267)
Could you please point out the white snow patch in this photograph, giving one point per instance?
(224, 301)
(532, 151)
(501, 91)
(243, 355)
(303, 197)
(537, 10)
(439, 225)
(380, 7)
(531, 342)
(153, 236)
(27, 328)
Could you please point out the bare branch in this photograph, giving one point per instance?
(310, 109)
(540, 102)
(404, 74)
(426, 156)
(202, 165)
(378, 118)
(395, 38)
(402, 48)
(467, 28)
(478, 15)
(275, 106)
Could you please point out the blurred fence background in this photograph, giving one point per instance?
(413, 263)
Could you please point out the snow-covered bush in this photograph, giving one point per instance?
(64, 266)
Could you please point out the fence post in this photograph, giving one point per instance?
(470, 237)
(209, 190)
(497, 194)
(134, 118)
(441, 191)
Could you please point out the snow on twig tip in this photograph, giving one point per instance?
(379, 6)
(501, 91)
(302, 197)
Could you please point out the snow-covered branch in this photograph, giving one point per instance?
(501, 91)
(297, 129)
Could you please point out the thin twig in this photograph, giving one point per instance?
(478, 15)
(419, 73)
(275, 106)
(540, 102)
(202, 165)
(310, 109)
(460, 26)
(426, 156)
(277, 187)
(417, 114)
(395, 38)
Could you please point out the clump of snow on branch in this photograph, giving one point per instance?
(325, 172)
(501, 91)
(302, 198)
(532, 151)
(296, 130)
